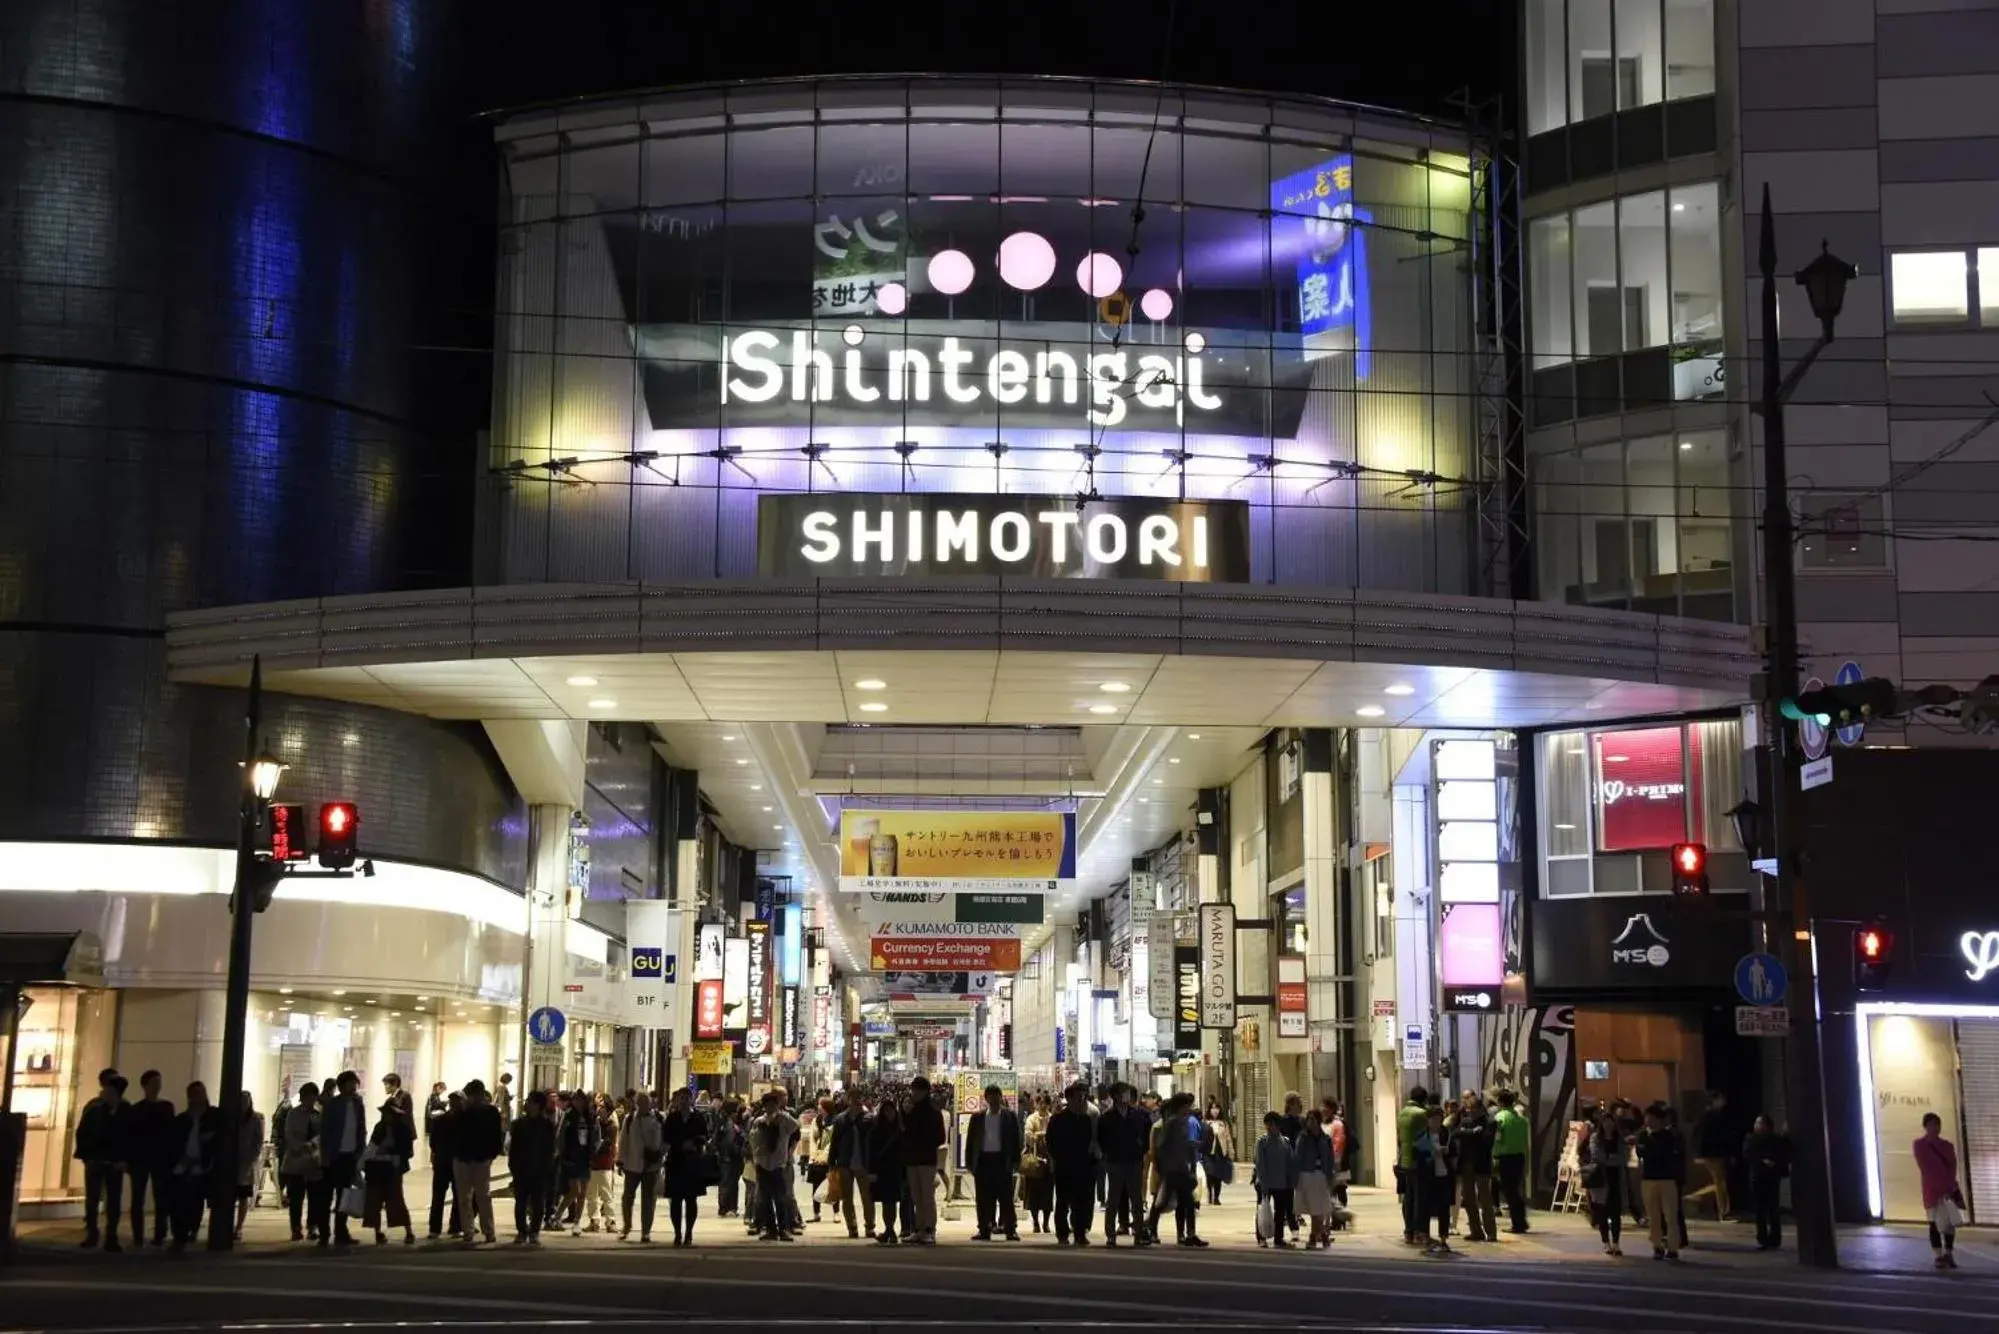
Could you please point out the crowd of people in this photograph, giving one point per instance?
(874, 1157)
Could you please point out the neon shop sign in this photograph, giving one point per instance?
(763, 367)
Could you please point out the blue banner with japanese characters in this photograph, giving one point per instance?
(1316, 224)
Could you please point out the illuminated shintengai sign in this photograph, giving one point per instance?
(1100, 381)
(1046, 536)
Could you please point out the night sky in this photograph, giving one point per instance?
(1412, 56)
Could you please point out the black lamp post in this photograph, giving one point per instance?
(1824, 281)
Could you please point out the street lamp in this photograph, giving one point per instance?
(1751, 828)
(1824, 281)
(261, 771)
(265, 771)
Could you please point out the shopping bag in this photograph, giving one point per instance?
(352, 1201)
(1949, 1216)
(1266, 1218)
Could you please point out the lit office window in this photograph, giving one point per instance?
(1930, 286)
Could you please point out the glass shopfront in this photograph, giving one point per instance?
(66, 1036)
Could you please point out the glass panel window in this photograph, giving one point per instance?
(1930, 286)
(1547, 89)
(1693, 219)
(1599, 308)
(1606, 541)
(1842, 532)
(1593, 69)
(1689, 48)
(1557, 499)
(1641, 788)
(1655, 585)
(1641, 295)
(1641, 56)
(1548, 278)
(1706, 543)
(1565, 794)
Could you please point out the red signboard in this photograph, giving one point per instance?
(943, 954)
(708, 1008)
(1643, 789)
(1291, 998)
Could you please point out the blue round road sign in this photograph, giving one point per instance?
(547, 1024)
(1760, 979)
(1849, 674)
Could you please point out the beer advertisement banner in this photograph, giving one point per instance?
(943, 954)
(956, 851)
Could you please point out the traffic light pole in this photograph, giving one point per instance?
(236, 1008)
(1811, 1180)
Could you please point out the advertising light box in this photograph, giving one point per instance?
(952, 851)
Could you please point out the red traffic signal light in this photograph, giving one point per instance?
(1872, 944)
(338, 821)
(1689, 868)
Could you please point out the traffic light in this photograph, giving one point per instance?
(1690, 868)
(1872, 944)
(1843, 706)
(338, 821)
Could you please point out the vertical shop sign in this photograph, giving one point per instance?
(1291, 996)
(711, 953)
(736, 985)
(788, 1035)
(1186, 993)
(1161, 945)
(1217, 945)
(1464, 802)
(757, 1018)
(708, 1008)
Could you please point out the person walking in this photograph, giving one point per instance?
(531, 1159)
(1411, 1124)
(1274, 1174)
(1605, 1159)
(578, 1129)
(923, 1135)
(1767, 1155)
(1510, 1147)
(1124, 1136)
(478, 1138)
(1715, 1144)
(343, 1133)
(1175, 1150)
(690, 1170)
(193, 1171)
(641, 1151)
(885, 1147)
(1943, 1200)
(1660, 1159)
(1037, 1184)
(771, 1137)
(298, 1163)
(815, 1146)
(441, 1138)
(1072, 1163)
(1217, 1152)
(102, 1138)
(149, 1153)
(1473, 1138)
(601, 1206)
(249, 1158)
(1312, 1164)
(730, 1152)
(992, 1153)
(848, 1153)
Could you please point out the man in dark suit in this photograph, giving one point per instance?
(992, 1152)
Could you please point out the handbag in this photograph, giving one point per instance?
(1266, 1217)
(836, 1182)
(1033, 1166)
(352, 1201)
(1949, 1213)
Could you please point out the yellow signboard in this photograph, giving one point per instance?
(712, 1058)
(955, 851)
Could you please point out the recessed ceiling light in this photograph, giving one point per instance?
(1399, 688)
(284, 991)
(349, 1009)
(340, 993)
(603, 704)
(777, 826)
(874, 706)
(756, 787)
(419, 1007)
(1103, 708)
(871, 683)
(767, 810)
(581, 681)
(1686, 444)
(1114, 687)
(742, 761)
(1158, 781)
(728, 736)
(397, 1014)
(1143, 800)
(1370, 711)
(1193, 736)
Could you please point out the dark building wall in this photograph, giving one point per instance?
(219, 254)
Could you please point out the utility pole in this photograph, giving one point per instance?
(1811, 1181)
(236, 1007)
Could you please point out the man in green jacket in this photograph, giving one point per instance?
(1411, 1122)
(1509, 1159)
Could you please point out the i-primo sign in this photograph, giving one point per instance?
(1152, 379)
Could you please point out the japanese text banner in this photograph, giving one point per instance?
(951, 851)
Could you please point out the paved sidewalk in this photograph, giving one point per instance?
(1376, 1234)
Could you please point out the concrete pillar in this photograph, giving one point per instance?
(548, 920)
(1328, 962)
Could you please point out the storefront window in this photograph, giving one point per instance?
(1614, 801)
(65, 1039)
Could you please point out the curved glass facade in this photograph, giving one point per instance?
(1046, 288)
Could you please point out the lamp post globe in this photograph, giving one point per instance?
(1750, 823)
(265, 771)
(1824, 281)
